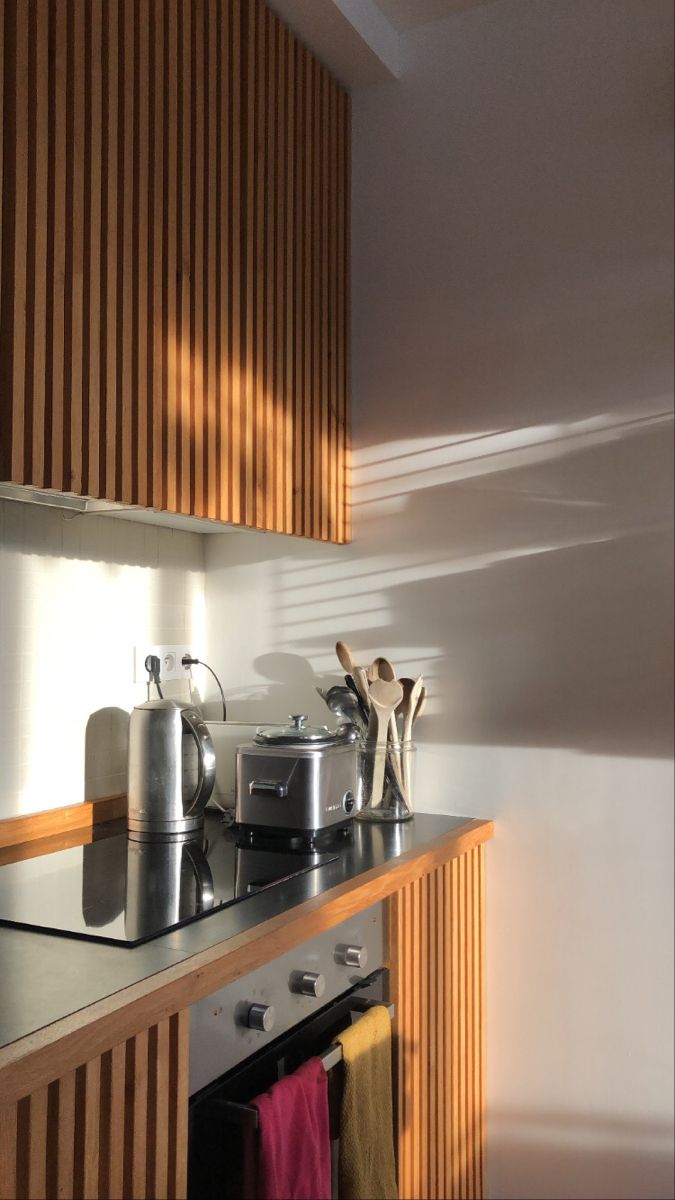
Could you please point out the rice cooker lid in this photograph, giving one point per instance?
(297, 733)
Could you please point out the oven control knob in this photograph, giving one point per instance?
(308, 983)
(353, 956)
(261, 1016)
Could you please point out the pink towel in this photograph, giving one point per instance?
(294, 1159)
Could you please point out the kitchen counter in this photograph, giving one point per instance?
(95, 1038)
(53, 985)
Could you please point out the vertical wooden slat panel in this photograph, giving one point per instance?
(300, 245)
(156, 378)
(289, 253)
(8, 1149)
(91, 1124)
(313, 474)
(166, 490)
(142, 259)
(308, 253)
(93, 249)
(77, 165)
(197, 265)
(273, 399)
(109, 221)
(179, 1097)
(2, 123)
(258, 195)
(340, 272)
(346, 222)
(222, 170)
(126, 244)
(331, 284)
(37, 1156)
(157, 1131)
(185, 268)
(39, 316)
(174, 266)
(481, 1010)
(249, 13)
(115, 1166)
(20, 236)
(211, 294)
(324, 344)
(237, 305)
(436, 932)
(136, 1115)
(66, 1136)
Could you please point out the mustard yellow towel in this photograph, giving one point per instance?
(366, 1163)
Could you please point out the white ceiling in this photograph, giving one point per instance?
(406, 14)
(359, 40)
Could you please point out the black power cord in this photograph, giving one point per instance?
(152, 665)
(187, 661)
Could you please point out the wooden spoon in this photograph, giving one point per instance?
(358, 674)
(385, 696)
(381, 668)
(345, 657)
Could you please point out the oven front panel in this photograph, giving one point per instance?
(220, 1033)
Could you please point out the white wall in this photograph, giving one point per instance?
(77, 593)
(513, 539)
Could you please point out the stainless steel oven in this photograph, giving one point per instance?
(251, 1033)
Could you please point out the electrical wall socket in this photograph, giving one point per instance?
(170, 664)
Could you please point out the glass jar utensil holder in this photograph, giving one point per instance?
(385, 779)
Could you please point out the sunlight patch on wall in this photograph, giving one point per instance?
(389, 471)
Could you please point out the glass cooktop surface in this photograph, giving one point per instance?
(125, 892)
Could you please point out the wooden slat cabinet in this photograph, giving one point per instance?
(117, 1125)
(114, 1127)
(175, 261)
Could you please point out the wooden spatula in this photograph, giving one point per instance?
(411, 706)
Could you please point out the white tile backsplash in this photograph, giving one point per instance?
(77, 593)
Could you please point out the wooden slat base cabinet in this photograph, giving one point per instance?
(174, 251)
(114, 1127)
(117, 1125)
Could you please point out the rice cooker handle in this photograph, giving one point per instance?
(207, 761)
(268, 787)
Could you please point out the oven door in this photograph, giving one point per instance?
(223, 1129)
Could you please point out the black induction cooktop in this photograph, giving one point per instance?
(124, 892)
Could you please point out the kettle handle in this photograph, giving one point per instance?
(207, 761)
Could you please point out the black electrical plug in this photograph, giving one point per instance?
(188, 661)
(152, 665)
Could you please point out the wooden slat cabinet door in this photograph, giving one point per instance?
(116, 1126)
(437, 947)
(174, 250)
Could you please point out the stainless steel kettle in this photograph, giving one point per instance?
(172, 769)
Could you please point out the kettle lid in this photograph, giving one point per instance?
(161, 705)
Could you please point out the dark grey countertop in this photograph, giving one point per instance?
(44, 977)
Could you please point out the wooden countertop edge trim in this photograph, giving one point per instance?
(16, 831)
(37, 1059)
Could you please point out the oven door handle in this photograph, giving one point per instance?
(246, 1115)
(268, 787)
